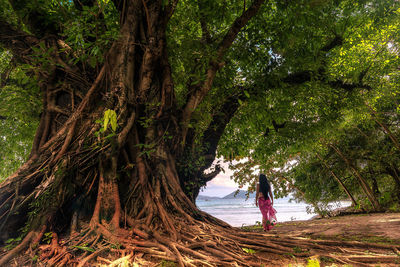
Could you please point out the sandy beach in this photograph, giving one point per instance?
(372, 230)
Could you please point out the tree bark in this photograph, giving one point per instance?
(338, 180)
(385, 128)
(364, 185)
(394, 173)
(103, 163)
(98, 178)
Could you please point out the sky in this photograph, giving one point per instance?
(221, 185)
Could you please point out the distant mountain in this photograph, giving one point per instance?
(206, 198)
(241, 194)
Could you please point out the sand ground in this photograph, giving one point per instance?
(377, 228)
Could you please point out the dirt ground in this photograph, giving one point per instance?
(382, 229)
(378, 227)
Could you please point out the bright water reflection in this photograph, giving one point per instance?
(238, 212)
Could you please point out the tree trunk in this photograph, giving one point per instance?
(104, 156)
(339, 181)
(364, 185)
(394, 173)
(103, 169)
(375, 187)
(384, 127)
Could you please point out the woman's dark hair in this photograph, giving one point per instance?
(264, 185)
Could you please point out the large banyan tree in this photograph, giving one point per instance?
(125, 136)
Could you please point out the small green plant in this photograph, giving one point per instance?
(249, 250)
(313, 263)
(165, 263)
(109, 118)
(47, 237)
(12, 242)
(35, 258)
(116, 246)
(256, 226)
(84, 247)
(326, 259)
(297, 250)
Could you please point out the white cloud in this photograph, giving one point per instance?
(222, 184)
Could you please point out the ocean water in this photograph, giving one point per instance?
(242, 212)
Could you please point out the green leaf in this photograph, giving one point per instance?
(106, 118)
(84, 248)
(249, 250)
(113, 120)
(92, 61)
(110, 135)
(313, 263)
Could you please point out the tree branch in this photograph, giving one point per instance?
(79, 4)
(206, 36)
(217, 127)
(335, 42)
(216, 63)
(237, 25)
(18, 42)
(298, 78)
(209, 176)
(36, 18)
(170, 9)
(301, 77)
(119, 5)
(349, 86)
(5, 75)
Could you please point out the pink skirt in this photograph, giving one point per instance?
(268, 213)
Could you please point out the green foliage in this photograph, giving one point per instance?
(352, 89)
(116, 246)
(314, 114)
(91, 31)
(12, 242)
(110, 117)
(257, 225)
(35, 258)
(249, 250)
(297, 249)
(20, 109)
(84, 247)
(87, 34)
(107, 131)
(165, 263)
(47, 237)
(313, 263)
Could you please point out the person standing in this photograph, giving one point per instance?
(265, 202)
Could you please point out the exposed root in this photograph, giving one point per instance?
(198, 244)
(228, 247)
(91, 256)
(32, 238)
